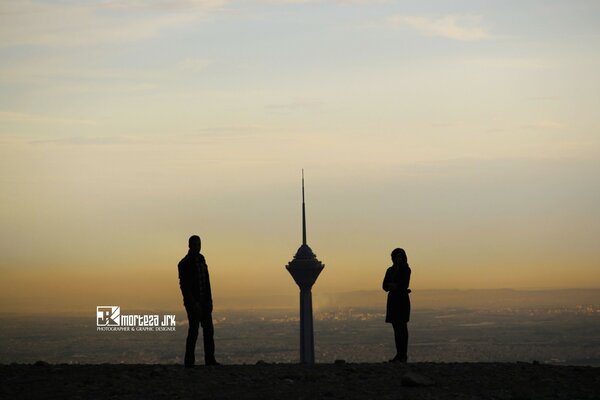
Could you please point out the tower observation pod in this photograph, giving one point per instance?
(305, 269)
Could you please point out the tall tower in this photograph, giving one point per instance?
(305, 268)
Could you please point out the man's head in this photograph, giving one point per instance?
(399, 256)
(194, 244)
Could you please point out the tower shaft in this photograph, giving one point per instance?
(307, 341)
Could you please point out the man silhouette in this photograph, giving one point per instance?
(197, 299)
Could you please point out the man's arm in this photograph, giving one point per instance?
(208, 288)
(185, 283)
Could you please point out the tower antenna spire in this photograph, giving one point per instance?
(303, 212)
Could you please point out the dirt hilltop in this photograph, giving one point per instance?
(291, 381)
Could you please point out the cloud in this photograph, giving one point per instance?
(295, 104)
(545, 124)
(194, 64)
(86, 140)
(456, 27)
(77, 24)
(323, 1)
(503, 63)
(11, 116)
(233, 131)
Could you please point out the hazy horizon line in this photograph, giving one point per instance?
(360, 299)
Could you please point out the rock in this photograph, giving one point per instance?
(413, 379)
(349, 381)
(339, 362)
(41, 363)
(520, 394)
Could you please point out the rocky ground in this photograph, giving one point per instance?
(289, 381)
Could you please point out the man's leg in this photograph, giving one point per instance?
(208, 332)
(192, 336)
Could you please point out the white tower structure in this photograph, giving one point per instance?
(305, 268)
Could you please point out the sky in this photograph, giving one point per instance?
(466, 132)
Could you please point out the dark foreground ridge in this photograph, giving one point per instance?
(291, 381)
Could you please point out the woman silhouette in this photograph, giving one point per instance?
(397, 278)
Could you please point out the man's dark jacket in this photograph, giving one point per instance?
(194, 281)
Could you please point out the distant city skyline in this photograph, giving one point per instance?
(354, 335)
(465, 132)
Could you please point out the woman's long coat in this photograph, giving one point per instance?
(398, 302)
